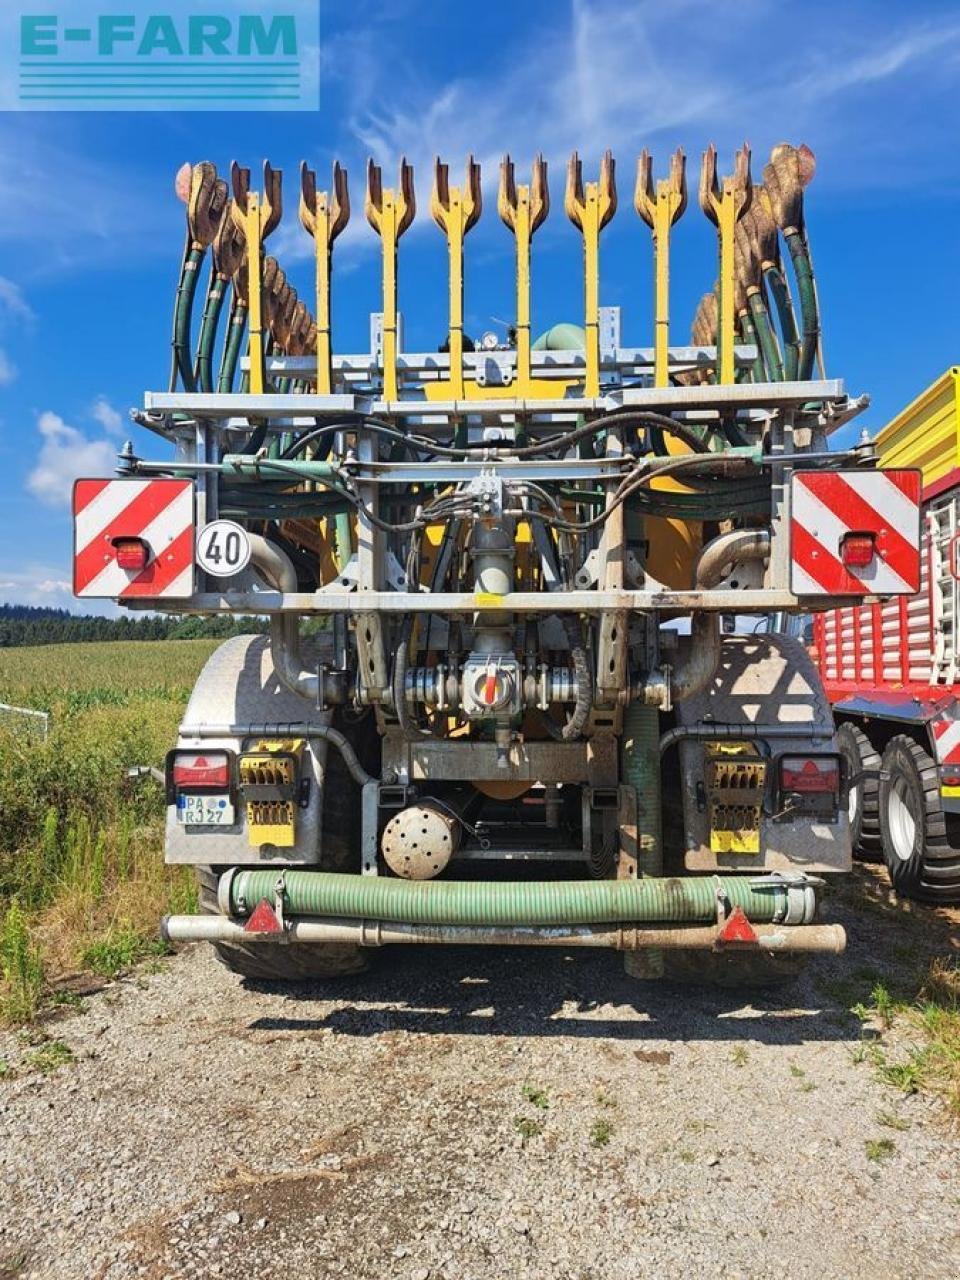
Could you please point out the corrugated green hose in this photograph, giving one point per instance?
(766, 338)
(788, 322)
(501, 904)
(809, 311)
(209, 324)
(232, 346)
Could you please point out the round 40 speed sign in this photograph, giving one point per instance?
(223, 548)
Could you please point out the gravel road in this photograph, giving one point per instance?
(476, 1115)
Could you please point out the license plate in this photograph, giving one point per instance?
(205, 811)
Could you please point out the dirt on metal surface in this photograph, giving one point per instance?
(467, 1113)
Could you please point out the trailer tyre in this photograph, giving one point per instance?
(921, 862)
(864, 796)
(297, 961)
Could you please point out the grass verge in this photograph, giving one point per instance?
(82, 878)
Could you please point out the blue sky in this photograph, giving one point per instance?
(91, 232)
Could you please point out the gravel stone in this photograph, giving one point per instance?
(368, 1128)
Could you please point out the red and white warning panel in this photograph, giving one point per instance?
(133, 539)
(855, 533)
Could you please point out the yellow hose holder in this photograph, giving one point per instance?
(269, 787)
(735, 778)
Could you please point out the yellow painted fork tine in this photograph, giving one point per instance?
(590, 208)
(523, 209)
(725, 201)
(455, 210)
(390, 212)
(324, 216)
(256, 215)
(660, 207)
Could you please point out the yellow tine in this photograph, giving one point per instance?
(523, 209)
(324, 216)
(590, 208)
(248, 215)
(660, 206)
(390, 213)
(725, 201)
(455, 210)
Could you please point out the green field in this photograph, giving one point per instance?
(82, 880)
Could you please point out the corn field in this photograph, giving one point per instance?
(82, 880)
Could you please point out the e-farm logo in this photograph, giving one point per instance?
(134, 57)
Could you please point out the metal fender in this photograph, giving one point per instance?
(764, 679)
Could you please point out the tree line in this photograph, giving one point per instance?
(29, 625)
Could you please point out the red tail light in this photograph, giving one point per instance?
(858, 549)
(201, 769)
(810, 775)
(131, 553)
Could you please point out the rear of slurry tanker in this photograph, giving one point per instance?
(892, 672)
(514, 718)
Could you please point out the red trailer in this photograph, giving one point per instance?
(891, 672)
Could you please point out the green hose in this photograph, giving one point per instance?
(232, 346)
(788, 322)
(209, 324)
(640, 761)
(809, 311)
(183, 317)
(691, 900)
(766, 338)
(748, 332)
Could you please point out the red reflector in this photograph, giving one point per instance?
(263, 920)
(857, 549)
(131, 553)
(737, 928)
(199, 769)
(809, 774)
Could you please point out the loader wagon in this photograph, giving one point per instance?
(891, 672)
(495, 674)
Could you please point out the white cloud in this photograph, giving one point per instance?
(658, 75)
(12, 301)
(109, 418)
(48, 586)
(65, 454)
(8, 370)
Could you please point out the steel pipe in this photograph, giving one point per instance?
(829, 938)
